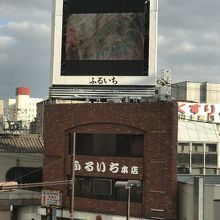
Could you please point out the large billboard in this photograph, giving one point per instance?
(104, 42)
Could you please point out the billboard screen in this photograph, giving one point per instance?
(105, 39)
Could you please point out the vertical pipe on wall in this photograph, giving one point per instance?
(73, 175)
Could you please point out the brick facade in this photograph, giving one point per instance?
(156, 121)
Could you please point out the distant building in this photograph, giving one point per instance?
(198, 137)
(198, 148)
(1, 107)
(1, 114)
(196, 92)
(22, 109)
(198, 199)
(21, 159)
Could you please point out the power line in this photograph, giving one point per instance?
(42, 168)
(12, 185)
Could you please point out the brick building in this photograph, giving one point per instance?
(114, 141)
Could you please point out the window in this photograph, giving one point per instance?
(83, 186)
(210, 171)
(211, 160)
(198, 159)
(211, 148)
(103, 188)
(183, 170)
(136, 194)
(121, 145)
(197, 148)
(183, 148)
(137, 145)
(104, 145)
(183, 159)
(120, 194)
(83, 144)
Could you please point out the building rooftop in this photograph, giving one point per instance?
(21, 143)
(197, 132)
(208, 179)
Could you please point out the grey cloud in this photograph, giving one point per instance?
(26, 58)
(25, 46)
(26, 10)
(189, 39)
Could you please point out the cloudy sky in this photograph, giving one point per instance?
(188, 43)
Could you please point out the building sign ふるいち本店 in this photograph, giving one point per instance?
(103, 167)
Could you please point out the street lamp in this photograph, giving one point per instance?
(128, 185)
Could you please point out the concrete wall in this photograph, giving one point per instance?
(186, 206)
(196, 92)
(28, 213)
(6, 215)
(18, 197)
(212, 93)
(8, 160)
(193, 91)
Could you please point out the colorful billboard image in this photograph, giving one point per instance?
(111, 36)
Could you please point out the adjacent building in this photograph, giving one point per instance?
(21, 160)
(198, 138)
(198, 148)
(203, 92)
(198, 197)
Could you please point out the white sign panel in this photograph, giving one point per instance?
(202, 112)
(51, 198)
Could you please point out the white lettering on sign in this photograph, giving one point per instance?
(124, 169)
(114, 167)
(89, 166)
(134, 170)
(103, 167)
(77, 165)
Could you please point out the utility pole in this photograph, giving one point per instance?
(73, 175)
(128, 202)
(128, 185)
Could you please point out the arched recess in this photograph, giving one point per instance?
(25, 175)
(107, 139)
